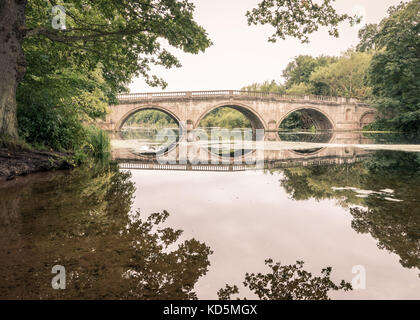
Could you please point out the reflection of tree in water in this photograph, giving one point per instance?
(314, 137)
(81, 221)
(393, 138)
(396, 229)
(290, 282)
(317, 182)
(395, 224)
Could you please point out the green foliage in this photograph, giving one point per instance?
(297, 18)
(98, 143)
(317, 182)
(266, 86)
(346, 76)
(151, 118)
(54, 105)
(57, 127)
(394, 73)
(306, 75)
(300, 89)
(73, 74)
(295, 121)
(53, 101)
(330, 76)
(126, 37)
(288, 282)
(298, 74)
(395, 163)
(367, 36)
(57, 95)
(225, 117)
(14, 144)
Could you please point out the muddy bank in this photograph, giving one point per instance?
(20, 163)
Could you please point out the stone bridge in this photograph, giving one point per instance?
(264, 110)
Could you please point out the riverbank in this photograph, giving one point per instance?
(15, 163)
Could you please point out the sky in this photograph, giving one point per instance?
(242, 55)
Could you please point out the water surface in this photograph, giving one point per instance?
(350, 201)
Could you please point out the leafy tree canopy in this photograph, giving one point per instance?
(394, 73)
(116, 40)
(300, 69)
(367, 36)
(266, 86)
(346, 76)
(298, 18)
(225, 117)
(74, 73)
(127, 37)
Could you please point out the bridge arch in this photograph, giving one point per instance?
(321, 119)
(367, 118)
(126, 116)
(250, 113)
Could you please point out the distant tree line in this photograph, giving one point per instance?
(225, 117)
(151, 118)
(324, 75)
(329, 76)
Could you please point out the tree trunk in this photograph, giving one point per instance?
(12, 62)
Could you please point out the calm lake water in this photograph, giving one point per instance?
(340, 200)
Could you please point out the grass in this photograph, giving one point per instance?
(98, 143)
(96, 148)
(15, 144)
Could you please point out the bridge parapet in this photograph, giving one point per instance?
(232, 94)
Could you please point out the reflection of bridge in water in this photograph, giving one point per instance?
(151, 165)
(275, 154)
